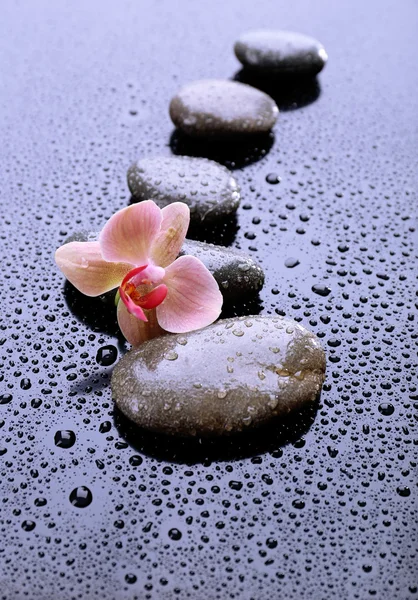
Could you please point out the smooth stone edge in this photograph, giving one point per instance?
(308, 399)
(209, 216)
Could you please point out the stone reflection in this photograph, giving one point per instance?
(270, 439)
(290, 92)
(233, 154)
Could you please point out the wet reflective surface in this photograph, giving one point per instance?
(326, 505)
(233, 376)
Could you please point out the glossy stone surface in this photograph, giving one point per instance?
(220, 108)
(238, 274)
(280, 52)
(235, 374)
(209, 189)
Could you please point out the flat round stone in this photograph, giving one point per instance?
(237, 273)
(207, 187)
(235, 374)
(280, 52)
(218, 108)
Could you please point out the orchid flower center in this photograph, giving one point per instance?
(141, 289)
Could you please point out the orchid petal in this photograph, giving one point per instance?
(132, 275)
(174, 226)
(128, 235)
(193, 299)
(154, 297)
(135, 303)
(134, 330)
(83, 265)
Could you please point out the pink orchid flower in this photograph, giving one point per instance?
(137, 252)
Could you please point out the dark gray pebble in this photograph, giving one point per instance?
(208, 188)
(218, 108)
(237, 274)
(235, 374)
(280, 52)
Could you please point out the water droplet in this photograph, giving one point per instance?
(404, 491)
(333, 452)
(321, 290)
(64, 438)
(25, 384)
(273, 178)
(343, 248)
(282, 372)
(81, 497)
(238, 332)
(175, 534)
(40, 502)
(290, 263)
(235, 485)
(28, 525)
(6, 398)
(105, 427)
(386, 409)
(106, 355)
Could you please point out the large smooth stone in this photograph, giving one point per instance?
(218, 108)
(235, 374)
(206, 187)
(280, 52)
(236, 273)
